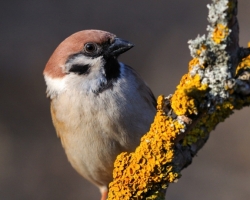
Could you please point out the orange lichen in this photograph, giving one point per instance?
(189, 92)
(194, 62)
(244, 64)
(208, 122)
(202, 49)
(150, 166)
(220, 33)
(188, 95)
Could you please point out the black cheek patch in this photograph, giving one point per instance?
(80, 69)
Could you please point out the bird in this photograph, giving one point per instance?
(100, 107)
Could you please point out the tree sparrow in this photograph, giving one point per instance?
(99, 106)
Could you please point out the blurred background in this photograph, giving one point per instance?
(33, 165)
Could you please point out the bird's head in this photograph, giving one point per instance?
(86, 59)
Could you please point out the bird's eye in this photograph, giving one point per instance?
(90, 47)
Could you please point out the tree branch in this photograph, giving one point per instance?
(218, 82)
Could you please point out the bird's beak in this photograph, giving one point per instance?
(118, 47)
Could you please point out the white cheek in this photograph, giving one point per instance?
(55, 85)
(91, 81)
(81, 83)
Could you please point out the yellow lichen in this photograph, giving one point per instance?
(208, 122)
(150, 167)
(194, 62)
(244, 64)
(188, 95)
(220, 33)
(202, 49)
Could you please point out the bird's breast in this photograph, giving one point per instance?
(90, 134)
(94, 129)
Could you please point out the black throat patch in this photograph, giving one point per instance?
(112, 69)
(112, 73)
